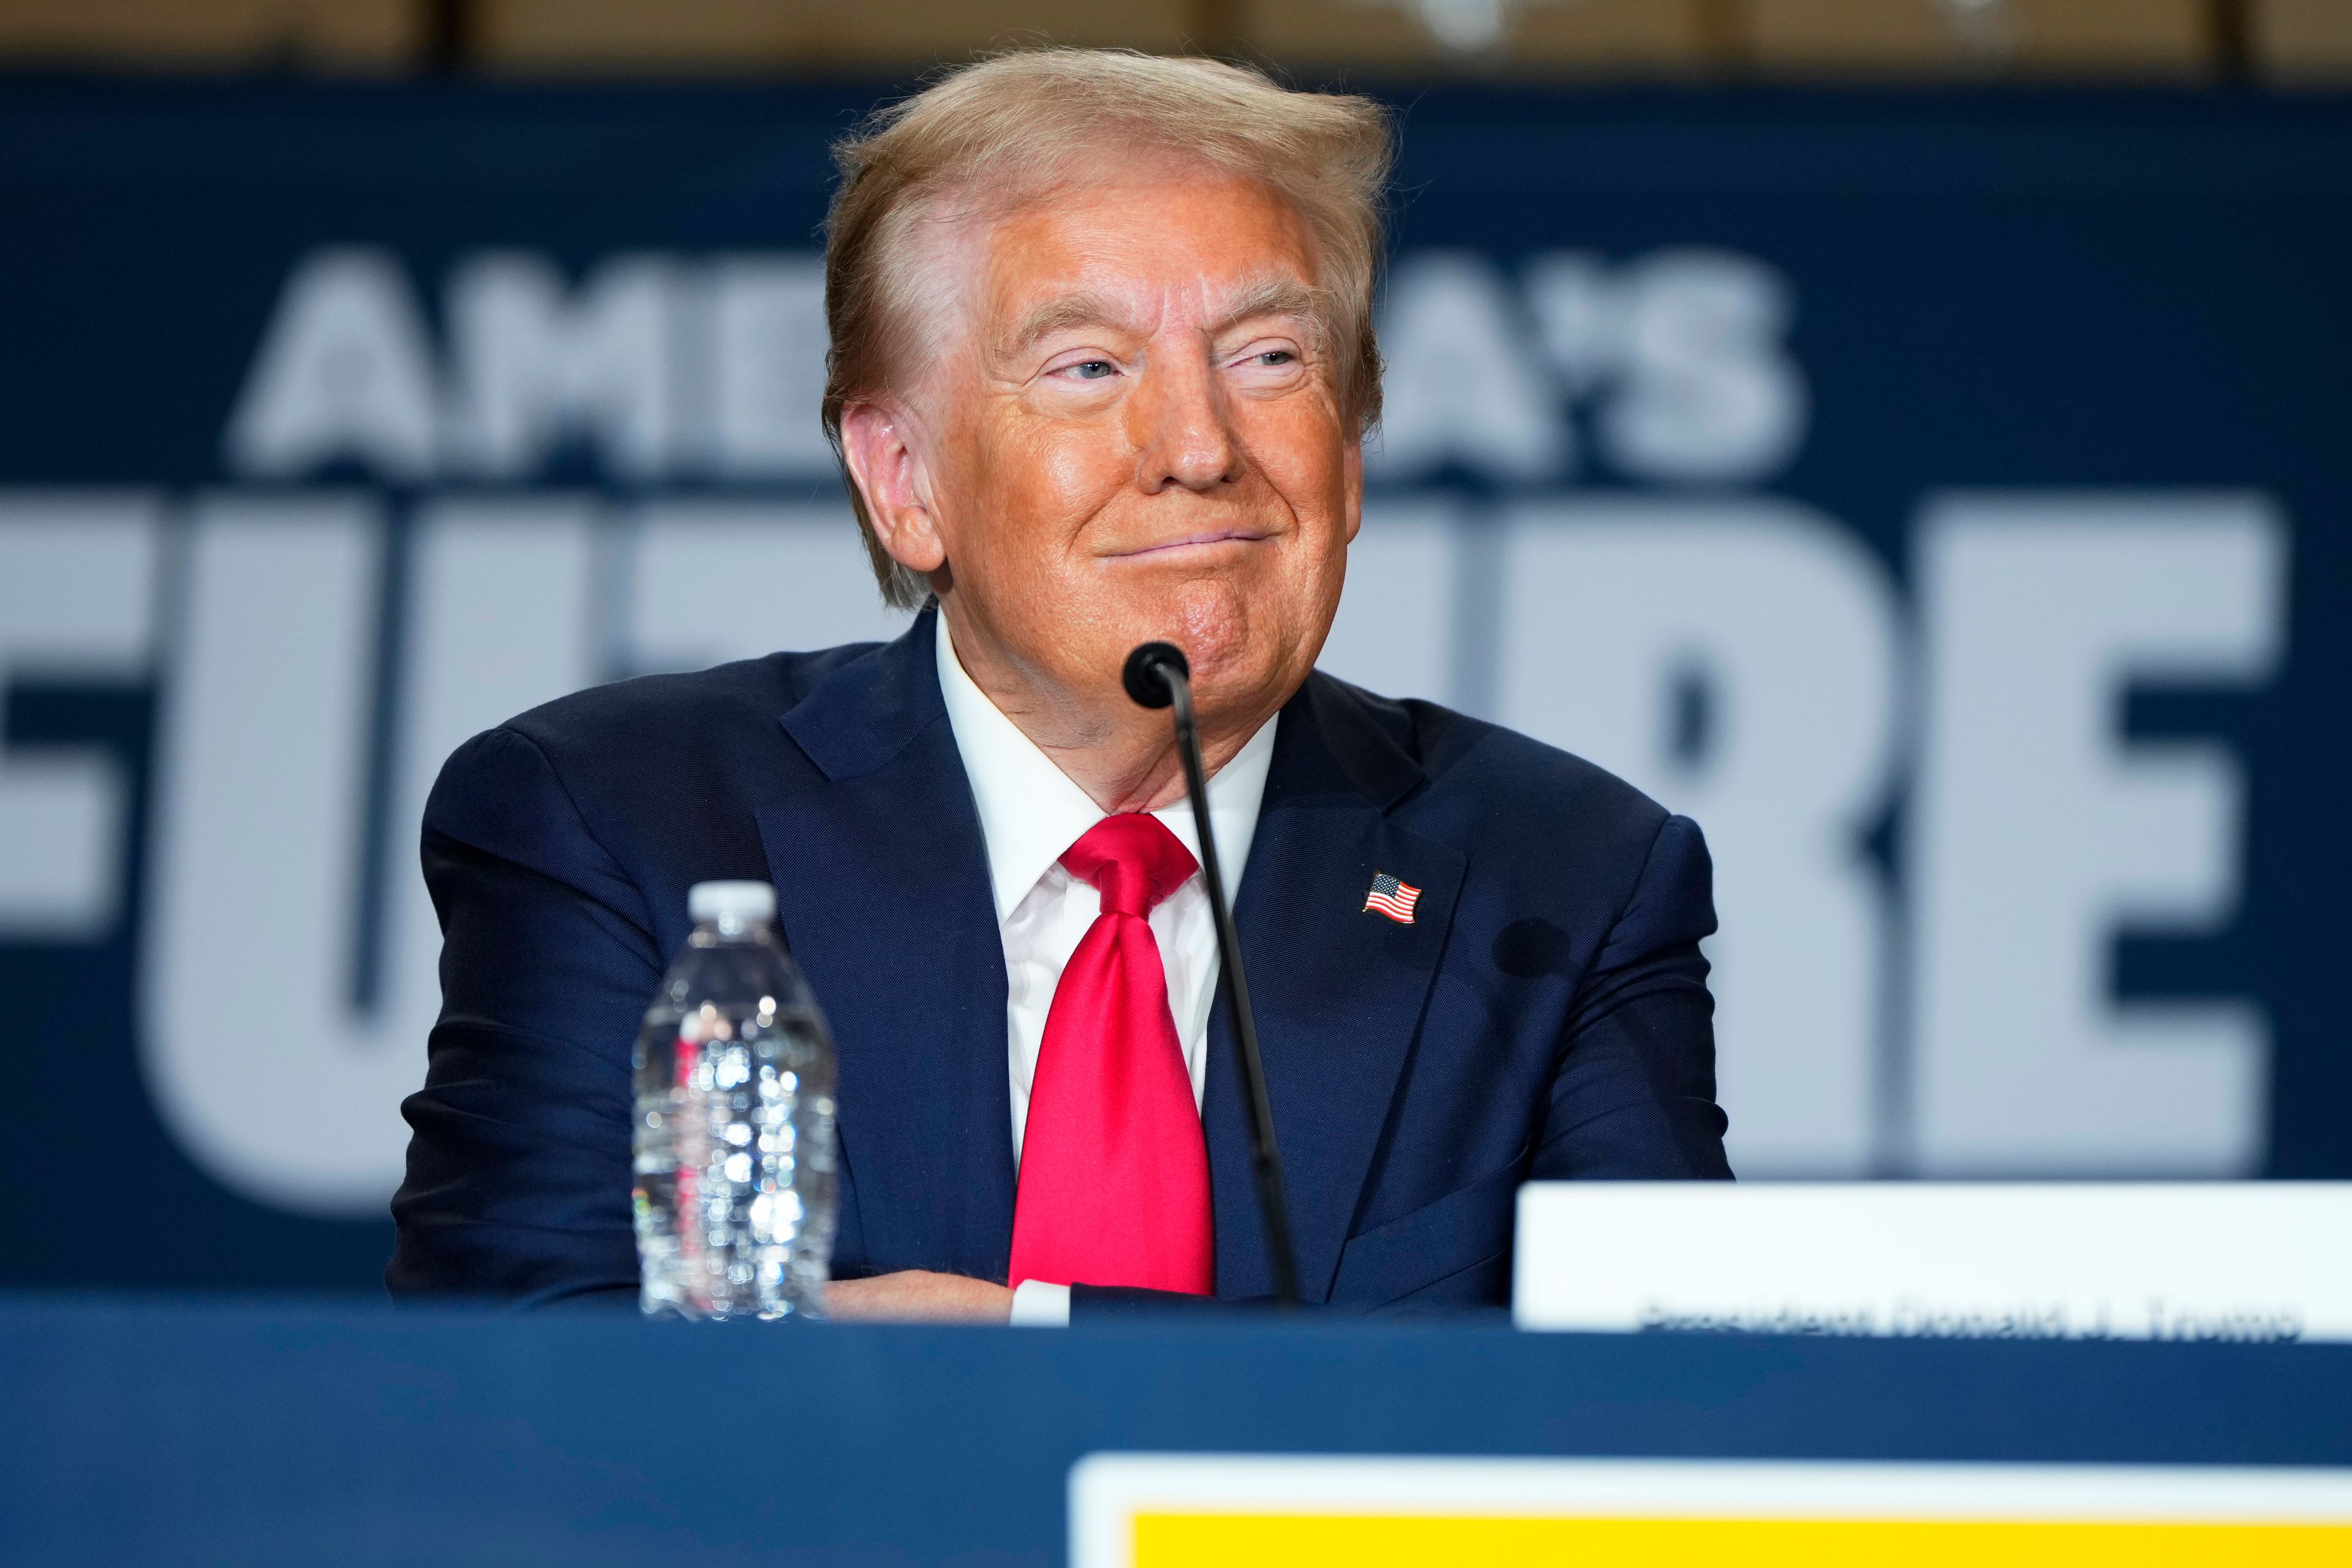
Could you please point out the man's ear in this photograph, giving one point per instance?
(1352, 475)
(884, 450)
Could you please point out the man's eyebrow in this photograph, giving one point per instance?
(1272, 297)
(1267, 297)
(1060, 314)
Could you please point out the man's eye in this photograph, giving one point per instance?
(1092, 369)
(1275, 356)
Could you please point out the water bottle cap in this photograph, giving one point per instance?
(730, 901)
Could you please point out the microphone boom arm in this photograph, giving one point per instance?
(1266, 1159)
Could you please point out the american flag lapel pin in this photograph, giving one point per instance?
(1391, 897)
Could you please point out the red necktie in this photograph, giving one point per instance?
(1114, 1170)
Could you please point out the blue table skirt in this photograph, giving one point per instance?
(202, 1432)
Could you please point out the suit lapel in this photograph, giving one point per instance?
(883, 891)
(1338, 992)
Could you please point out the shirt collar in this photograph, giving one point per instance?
(1031, 811)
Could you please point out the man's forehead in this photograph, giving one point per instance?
(1145, 235)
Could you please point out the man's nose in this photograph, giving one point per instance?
(1181, 428)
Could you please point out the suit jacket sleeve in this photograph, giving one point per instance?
(1633, 1097)
(519, 1179)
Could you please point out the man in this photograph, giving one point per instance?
(1102, 367)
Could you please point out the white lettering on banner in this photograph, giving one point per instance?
(1737, 658)
(1738, 661)
(769, 346)
(720, 580)
(1580, 315)
(2040, 831)
(1683, 353)
(666, 366)
(76, 604)
(533, 365)
(1396, 619)
(345, 372)
(1709, 394)
(658, 365)
(1459, 386)
(257, 1057)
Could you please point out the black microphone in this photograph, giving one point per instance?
(1158, 675)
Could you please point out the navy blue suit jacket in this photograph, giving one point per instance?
(1545, 1016)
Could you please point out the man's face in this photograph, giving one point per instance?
(1137, 435)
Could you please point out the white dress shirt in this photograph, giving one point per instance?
(1030, 811)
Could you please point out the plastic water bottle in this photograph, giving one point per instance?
(735, 1169)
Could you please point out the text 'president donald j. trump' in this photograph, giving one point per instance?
(1102, 368)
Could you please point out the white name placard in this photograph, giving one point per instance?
(2250, 1261)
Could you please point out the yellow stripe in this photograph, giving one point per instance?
(1306, 1541)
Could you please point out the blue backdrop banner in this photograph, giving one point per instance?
(1941, 497)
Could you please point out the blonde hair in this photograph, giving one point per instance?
(1006, 129)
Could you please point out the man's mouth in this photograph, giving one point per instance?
(1193, 542)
